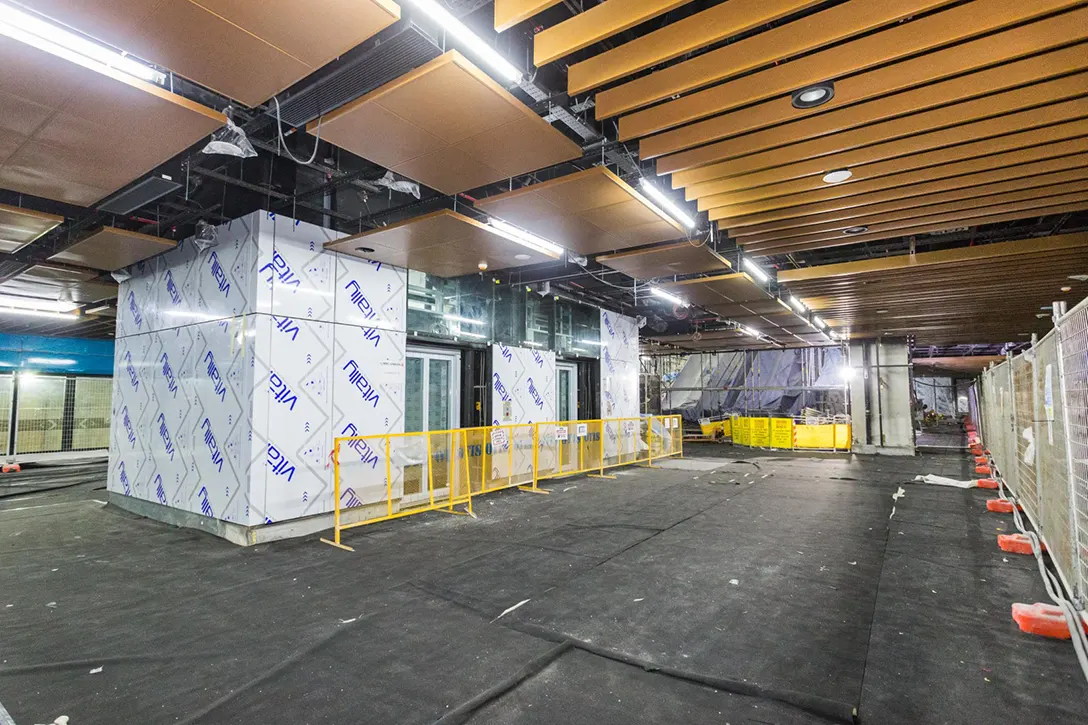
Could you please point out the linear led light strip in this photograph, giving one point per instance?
(472, 42)
(526, 239)
(668, 205)
(53, 39)
(23, 312)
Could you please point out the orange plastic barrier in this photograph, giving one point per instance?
(981, 459)
(1001, 506)
(987, 483)
(1042, 619)
(1016, 543)
(983, 470)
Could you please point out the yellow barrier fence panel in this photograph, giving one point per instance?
(741, 431)
(759, 432)
(782, 433)
(842, 436)
(821, 437)
(727, 428)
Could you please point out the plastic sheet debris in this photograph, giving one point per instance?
(942, 481)
(510, 609)
(230, 141)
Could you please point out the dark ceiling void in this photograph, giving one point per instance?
(973, 134)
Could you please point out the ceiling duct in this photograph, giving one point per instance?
(140, 194)
(356, 77)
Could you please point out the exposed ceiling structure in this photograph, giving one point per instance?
(797, 171)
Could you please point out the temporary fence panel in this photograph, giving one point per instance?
(782, 433)
(1023, 370)
(759, 435)
(7, 386)
(1073, 340)
(1053, 468)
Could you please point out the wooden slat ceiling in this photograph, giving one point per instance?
(968, 365)
(19, 227)
(111, 249)
(985, 293)
(590, 211)
(442, 243)
(509, 13)
(448, 125)
(667, 260)
(248, 50)
(597, 23)
(76, 136)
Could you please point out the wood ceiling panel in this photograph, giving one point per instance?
(590, 211)
(599, 22)
(984, 293)
(19, 227)
(1045, 173)
(670, 259)
(736, 193)
(927, 225)
(674, 40)
(1044, 195)
(771, 46)
(883, 93)
(46, 282)
(901, 41)
(248, 50)
(975, 119)
(509, 13)
(729, 176)
(448, 125)
(736, 287)
(442, 243)
(1010, 165)
(110, 249)
(102, 131)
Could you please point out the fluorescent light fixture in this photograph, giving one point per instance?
(837, 176)
(55, 40)
(526, 239)
(96, 309)
(591, 342)
(798, 305)
(756, 270)
(50, 361)
(466, 333)
(749, 331)
(465, 320)
(784, 303)
(532, 343)
(472, 42)
(38, 313)
(658, 292)
(33, 303)
(668, 204)
(818, 321)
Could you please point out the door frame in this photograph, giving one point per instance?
(572, 368)
(454, 358)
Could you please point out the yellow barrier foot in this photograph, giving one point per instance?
(338, 546)
(599, 475)
(530, 489)
(647, 465)
(455, 513)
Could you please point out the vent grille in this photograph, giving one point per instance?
(407, 50)
(141, 194)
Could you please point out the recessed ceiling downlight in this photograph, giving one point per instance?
(814, 95)
(856, 230)
(365, 250)
(522, 257)
(837, 176)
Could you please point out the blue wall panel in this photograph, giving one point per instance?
(56, 354)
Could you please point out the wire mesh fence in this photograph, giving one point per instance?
(1034, 416)
(44, 414)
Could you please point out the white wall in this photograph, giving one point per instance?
(236, 367)
(619, 375)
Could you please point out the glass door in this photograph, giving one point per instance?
(566, 402)
(431, 403)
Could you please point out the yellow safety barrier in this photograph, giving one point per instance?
(788, 434)
(389, 476)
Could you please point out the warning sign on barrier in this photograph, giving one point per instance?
(781, 432)
(499, 439)
(582, 430)
(561, 433)
(628, 427)
(759, 432)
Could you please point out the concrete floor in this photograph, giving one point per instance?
(728, 587)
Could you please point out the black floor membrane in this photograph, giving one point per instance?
(676, 595)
